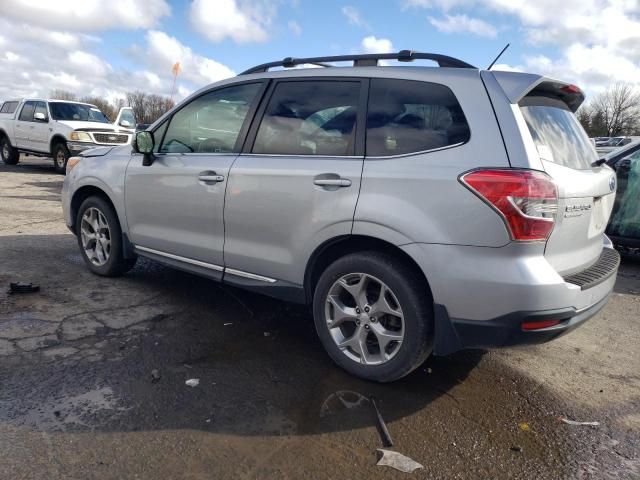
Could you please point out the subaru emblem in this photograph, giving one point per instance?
(113, 139)
(612, 183)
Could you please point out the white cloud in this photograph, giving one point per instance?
(597, 41)
(33, 63)
(372, 44)
(464, 24)
(243, 21)
(86, 15)
(163, 51)
(295, 27)
(354, 17)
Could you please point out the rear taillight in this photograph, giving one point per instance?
(527, 200)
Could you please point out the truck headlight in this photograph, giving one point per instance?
(80, 136)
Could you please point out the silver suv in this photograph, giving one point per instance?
(418, 210)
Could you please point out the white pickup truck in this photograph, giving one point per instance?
(58, 129)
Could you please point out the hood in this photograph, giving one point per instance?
(96, 152)
(88, 126)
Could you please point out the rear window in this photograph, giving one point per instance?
(557, 133)
(9, 107)
(407, 116)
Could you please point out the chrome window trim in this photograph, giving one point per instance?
(408, 154)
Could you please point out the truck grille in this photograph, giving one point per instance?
(597, 273)
(110, 138)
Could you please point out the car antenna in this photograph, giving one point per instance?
(499, 55)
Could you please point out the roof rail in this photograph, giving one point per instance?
(364, 60)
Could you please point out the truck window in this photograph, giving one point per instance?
(26, 114)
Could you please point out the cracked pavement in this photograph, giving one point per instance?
(78, 399)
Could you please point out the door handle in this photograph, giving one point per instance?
(210, 177)
(332, 182)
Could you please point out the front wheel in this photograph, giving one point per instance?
(100, 238)
(60, 157)
(374, 316)
(10, 156)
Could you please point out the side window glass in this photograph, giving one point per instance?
(41, 107)
(211, 123)
(310, 118)
(158, 133)
(407, 116)
(26, 115)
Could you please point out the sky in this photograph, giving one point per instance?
(108, 47)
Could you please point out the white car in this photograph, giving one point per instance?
(57, 129)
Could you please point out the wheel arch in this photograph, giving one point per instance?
(57, 138)
(337, 247)
(86, 191)
(3, 134)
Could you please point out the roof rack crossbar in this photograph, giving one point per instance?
(364, 60)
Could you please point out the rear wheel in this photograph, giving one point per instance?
(374, 316)
(10, 156)
(100, 238)
(61, 155)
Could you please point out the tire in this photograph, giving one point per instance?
(105, 261)
(409, 298)
(10, 156)
(61, 155)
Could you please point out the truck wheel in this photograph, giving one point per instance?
(374, 316)
(100, 238)
(10, 156)
(60, 155)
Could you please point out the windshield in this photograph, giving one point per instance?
(127, 115)
(632, 147)
(76, 111)
(557, 134)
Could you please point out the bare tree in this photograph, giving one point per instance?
(147, 108)
(62, 95)
(105, 107)
(618, 109)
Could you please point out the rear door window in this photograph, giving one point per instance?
(315, 117)
(557, 133)
(407, 116)
(26, 114)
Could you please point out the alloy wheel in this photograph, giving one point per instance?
(364, 318)
(96, 236)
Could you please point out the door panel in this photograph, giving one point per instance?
(170, 209)
(39, 131)
(300, 184)
(275, 215)
(23, 125)
(175, 205)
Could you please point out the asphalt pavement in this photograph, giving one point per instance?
(93, 376)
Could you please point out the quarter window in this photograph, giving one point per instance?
(310, 118)
(211, 123)
(26, 114)
(9, 107)
(408, 116)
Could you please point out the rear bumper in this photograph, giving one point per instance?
(453, 334)
(483, 295)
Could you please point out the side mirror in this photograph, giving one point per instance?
(144, 144)
(39, 116)
(125, 123)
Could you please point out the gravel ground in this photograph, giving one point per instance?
(93, 371)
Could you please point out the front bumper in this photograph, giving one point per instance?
(453, 334)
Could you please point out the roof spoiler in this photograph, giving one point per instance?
(517, 85)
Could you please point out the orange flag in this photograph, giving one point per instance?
(176, 69)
